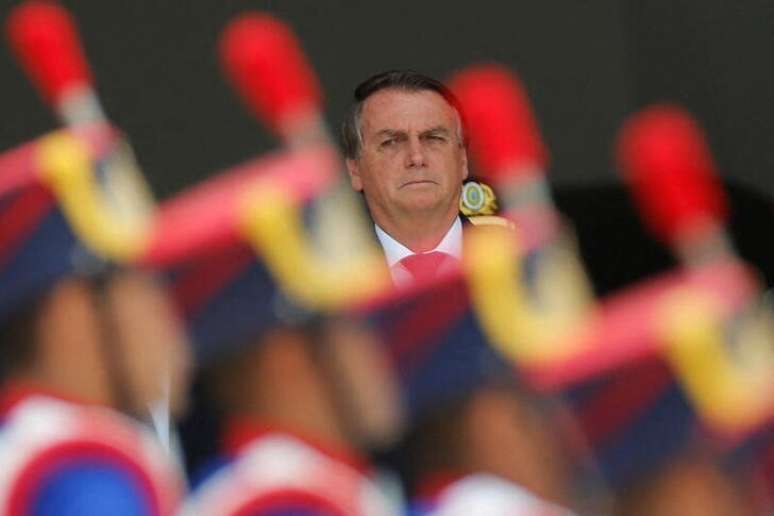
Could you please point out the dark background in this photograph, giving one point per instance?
(586, 63)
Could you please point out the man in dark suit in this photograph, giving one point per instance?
(403, 141)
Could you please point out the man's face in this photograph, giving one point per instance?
(412, 162)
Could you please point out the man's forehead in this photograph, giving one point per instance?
(398, 109)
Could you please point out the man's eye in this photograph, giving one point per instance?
(436, 138)
(388, 143)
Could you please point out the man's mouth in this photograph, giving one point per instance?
(417, 182)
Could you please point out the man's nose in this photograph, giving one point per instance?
(416, 154)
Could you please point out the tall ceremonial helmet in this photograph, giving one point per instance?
(66, 212)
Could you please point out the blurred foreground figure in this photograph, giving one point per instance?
(296, 408)
(690, 486)
(478, 442)
(86, 329)
(84, 337)
(639, 368)
(301, 397)
(492, 452)
(726, 366)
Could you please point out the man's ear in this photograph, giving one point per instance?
(353, 169)
(465, 172)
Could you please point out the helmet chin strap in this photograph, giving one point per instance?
(161, 420)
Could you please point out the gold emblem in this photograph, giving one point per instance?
(477, 199)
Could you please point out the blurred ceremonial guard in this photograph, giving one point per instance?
(301, 398)
(723, 361)
(89, 344)
(302, 395)
(477, 442)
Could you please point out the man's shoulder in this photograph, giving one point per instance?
(478, 206)
(489, 220)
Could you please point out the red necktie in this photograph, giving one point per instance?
(425, 266)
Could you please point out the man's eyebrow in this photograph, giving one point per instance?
(439, 129)
(389, 132)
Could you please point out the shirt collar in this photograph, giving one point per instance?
(394, 251)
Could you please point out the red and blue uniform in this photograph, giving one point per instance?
(272, 472)
(63, 458)
(229, 297)
(481, 494)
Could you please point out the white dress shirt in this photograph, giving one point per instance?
(394, 251)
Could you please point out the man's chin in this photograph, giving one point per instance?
(421, 203)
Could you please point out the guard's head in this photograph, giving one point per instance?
(77, 313)
(113, 339)
(264, 343)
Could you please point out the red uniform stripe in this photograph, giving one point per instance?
(19, 218)
(201, 280)
(419, 327)
(622, 400)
